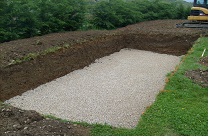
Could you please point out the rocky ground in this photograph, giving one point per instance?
(17, 122)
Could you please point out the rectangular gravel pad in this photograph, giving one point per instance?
(115, 90)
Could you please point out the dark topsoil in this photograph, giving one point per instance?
(199, 76)
(17, 122)
(84, 47)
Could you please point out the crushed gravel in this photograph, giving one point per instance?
(115, 90)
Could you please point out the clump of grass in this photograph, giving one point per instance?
(65, 121)
(32, 56)
(28, 57)
(55, 118)
(38, 42)
(51, 50)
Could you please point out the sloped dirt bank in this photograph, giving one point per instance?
(17, 79)
(157, 36)
(160, 43)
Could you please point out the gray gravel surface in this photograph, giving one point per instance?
(115, 90)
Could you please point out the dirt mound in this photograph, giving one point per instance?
(83, 48)
(17, 122)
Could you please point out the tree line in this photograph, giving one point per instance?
(28, 18)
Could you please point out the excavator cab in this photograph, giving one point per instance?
(199, 11)
(198, 16)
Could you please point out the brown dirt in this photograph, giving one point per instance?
(19, 48)
(17, 122)
(199, 76)
(204, 61)
(159, 36)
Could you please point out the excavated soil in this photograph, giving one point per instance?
(199, 76)
(79, 49)
(17, 122)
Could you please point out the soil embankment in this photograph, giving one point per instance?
(83, 48)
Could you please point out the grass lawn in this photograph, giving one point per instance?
(181, 109)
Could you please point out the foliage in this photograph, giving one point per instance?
(65, 15)
(28, 18)
(115, 13)
(118, 13)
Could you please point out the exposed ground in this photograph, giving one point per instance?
(17, 122)
(79, 49)
(199, 76)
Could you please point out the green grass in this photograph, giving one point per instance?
(65, 120)
(181, 110)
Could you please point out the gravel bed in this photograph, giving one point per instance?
(115, 90)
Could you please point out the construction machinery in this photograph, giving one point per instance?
(198, 16)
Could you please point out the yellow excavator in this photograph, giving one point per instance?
(198, 16)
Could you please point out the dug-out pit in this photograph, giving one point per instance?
(16, 79)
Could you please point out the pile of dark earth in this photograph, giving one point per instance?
(17, 122)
